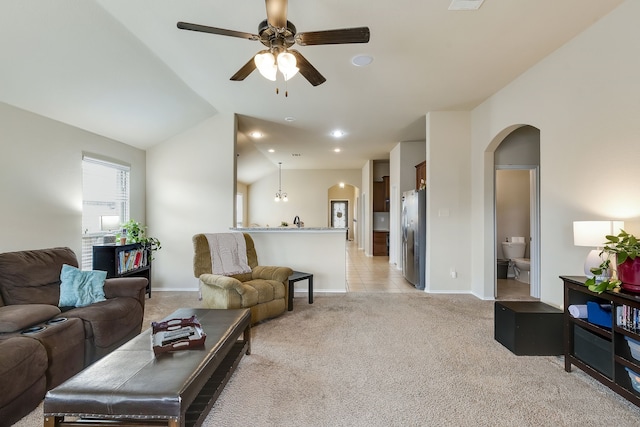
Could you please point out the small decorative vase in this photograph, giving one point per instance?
(629, 275)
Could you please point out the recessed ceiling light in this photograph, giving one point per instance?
(361, 60)
(337, 150)
(337, 133)
(465, 4)
(289, 119)
(271, 150)
(256, 134)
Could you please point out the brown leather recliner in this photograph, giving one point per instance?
(264, 291)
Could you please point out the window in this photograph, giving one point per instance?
(105, 202)
(239, 210)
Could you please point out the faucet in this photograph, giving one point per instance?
(296, 221)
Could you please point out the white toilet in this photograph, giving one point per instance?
(514, 250)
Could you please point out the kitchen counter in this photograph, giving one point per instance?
(289, 229)
(320, 251)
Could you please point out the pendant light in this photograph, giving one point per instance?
(280, 195)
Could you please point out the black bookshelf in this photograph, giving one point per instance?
(131, 260)
(602, 350)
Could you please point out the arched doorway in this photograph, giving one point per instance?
(517, 214)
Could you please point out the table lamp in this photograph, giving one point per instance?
(593, 234)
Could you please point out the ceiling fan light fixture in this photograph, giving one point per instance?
(287, 65)
(266, 64)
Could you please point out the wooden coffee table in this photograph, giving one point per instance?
(132, 386)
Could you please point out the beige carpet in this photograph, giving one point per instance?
(372, 359)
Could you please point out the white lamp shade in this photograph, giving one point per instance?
(287, 65)
(593, 233)
(266, 64)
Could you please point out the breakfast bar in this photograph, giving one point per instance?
(320, 251)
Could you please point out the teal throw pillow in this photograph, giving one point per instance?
(80, 288)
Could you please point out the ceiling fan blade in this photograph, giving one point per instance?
(307, 70)
(341, 36)
(277, 13)
(214, 30)
(246, 69)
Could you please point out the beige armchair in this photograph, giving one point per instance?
(264, 290)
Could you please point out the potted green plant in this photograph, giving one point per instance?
(137, 233)
(626, 273)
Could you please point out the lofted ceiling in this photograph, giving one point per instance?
(122, 69)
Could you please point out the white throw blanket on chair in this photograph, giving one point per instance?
(228, 253)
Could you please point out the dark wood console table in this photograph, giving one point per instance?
(602, 351)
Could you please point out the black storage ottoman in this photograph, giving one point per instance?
(529, 328)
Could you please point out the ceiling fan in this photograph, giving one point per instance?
(278, 35)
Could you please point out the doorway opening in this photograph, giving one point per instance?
(342, 208)
(517, 233)
(517, 215)
(339, 213)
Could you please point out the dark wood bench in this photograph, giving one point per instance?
(133, 386)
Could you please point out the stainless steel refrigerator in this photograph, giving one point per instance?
(414, 236)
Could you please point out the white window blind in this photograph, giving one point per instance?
(105, 202)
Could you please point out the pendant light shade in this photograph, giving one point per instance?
(266, 64)
(287, 65)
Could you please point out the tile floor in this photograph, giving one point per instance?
(373, 273)
(511, 289)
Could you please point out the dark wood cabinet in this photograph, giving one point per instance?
(380, 243)
(600, 344)
(381, 195)
(385, 183)
(378, 196)
(130, 260)
(421, 174)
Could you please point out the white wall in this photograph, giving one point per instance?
(190, 189)
(448, 202)
(366, 221)
(412, 153)
(585, 100)
(395, 206)
(41, 179)
(403, 159)
(308, 193)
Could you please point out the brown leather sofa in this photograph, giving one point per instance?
(41, 344)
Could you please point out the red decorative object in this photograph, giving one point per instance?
(177, 334)
(629, 275)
